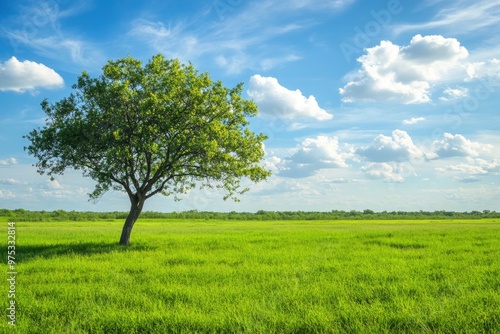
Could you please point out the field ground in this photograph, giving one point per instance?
(209, 276)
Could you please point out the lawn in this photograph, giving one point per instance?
(209, 276)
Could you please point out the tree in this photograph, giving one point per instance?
(161, 128)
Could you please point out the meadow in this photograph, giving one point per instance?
(210, 276)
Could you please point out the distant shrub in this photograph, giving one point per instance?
(23, 215)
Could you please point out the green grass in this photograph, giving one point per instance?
(258, 277)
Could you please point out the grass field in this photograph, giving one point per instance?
(257, 277)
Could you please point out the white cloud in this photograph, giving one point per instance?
(7, 194)
(388, 172)
(398, 148)
(311, 155)
(413, 120)
(463, 168)
(471, 170)
(433, 50)
(8, 162)
(275, 100)
(457, 145)
(273, 164)
(27, 75)
(454, 94)
(491, 166)
(11, 181)
(323, 150)
(406, 74)
(50, 185)
(394, 158)
(489, 69)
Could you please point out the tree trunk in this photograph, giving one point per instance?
(135, 211)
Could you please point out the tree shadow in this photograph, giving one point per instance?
(25, 253)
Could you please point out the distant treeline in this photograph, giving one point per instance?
(21, 215)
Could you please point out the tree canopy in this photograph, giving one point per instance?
(161, 128)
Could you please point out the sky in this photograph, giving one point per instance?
(383, 105)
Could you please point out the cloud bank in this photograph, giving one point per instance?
(387, 158)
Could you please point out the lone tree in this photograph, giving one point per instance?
(161, 128)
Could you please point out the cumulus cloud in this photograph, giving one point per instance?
(485, 69)
(413, 120)
(398, 148)
(491, 166)
(405, 74)
(431, 50)
(388, 172)
(274, 100)
(50, 185)
(27, 76)
(311, 155)
(457, 145)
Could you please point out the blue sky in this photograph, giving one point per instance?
(382, 105)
